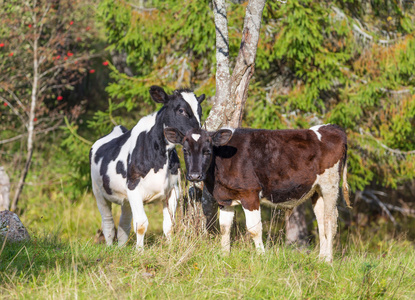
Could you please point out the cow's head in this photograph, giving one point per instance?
(181, 110)
(198, 148)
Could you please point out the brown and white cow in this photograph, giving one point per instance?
(280, 167)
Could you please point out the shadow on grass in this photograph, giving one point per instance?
(42, 254)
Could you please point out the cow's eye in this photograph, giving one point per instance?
(185, 152)
(182, 112)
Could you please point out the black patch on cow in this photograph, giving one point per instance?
(225, 151)
(90, 156)
(120, 169)
(174, 162)
(109, 152)
(123, 129)
(145, 156)
(106, 184)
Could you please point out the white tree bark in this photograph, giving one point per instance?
(231, 92)
(217, 117)
(30, 127)
(296, 227)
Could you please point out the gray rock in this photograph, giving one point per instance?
(12, 227)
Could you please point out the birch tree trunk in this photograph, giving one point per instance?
(30, 129)
(231, 92)
(296, 227)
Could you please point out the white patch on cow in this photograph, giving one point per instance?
(145, 124)
(225, 221)
(329, 183)
(254, 227)
(194, 104)
(316, 128)
(235, 202)
(196, 136)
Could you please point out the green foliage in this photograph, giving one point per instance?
(312, 68)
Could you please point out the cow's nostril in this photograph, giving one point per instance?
(194, 177)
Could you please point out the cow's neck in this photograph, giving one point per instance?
(156, 136)
(151, 148)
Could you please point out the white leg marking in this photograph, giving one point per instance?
(254, 227)
(169, 210)
(124, 226)
(225, 221)
(329, 183)
(318, 208)
(140, 220)
(104, 207)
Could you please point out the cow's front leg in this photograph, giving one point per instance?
(140, 220)
(254, 227)
(169, 210)
(225, 221)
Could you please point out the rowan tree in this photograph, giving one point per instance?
(43, 52)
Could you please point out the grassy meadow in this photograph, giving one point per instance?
(62, 261)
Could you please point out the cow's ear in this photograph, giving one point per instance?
(158, 94)
(221, 137)
(201, 98)
(173, 135)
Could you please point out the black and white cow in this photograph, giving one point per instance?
(282, 168)
(137, 166)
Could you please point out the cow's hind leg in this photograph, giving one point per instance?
(108, 227)
(124, 226)
(225, 221)
(318, 207)
(169, 210)
(254, 227)
(329, 191)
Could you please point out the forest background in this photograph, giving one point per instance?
(350, 63)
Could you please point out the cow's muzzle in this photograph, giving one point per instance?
(195, 177)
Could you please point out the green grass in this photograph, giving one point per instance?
(62, 262)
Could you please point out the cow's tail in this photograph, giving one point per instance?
(345, 186)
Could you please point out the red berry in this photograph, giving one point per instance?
(59, 98)
(92, 71)
(11, 54)
(70, 54)
(1, 44)
(105, 63)
(65, 58)
(5, 104)
(30, 25)
(88, 28)
(71, 23)
(57, 57)
(35, 119)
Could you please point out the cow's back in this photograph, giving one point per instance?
(281, 165)
(103, 154)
